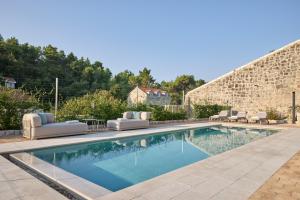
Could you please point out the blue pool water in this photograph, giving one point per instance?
(117, 164)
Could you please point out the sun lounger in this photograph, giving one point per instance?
(221, 116)
(260, 117)
(239, 116)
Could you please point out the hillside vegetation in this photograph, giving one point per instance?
(35, 69)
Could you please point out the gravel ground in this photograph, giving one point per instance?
(284, 184)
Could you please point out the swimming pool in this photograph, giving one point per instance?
(117, 164)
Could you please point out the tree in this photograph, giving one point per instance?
(120, 84)
(35, 69)
(145, 79)
(182, 83)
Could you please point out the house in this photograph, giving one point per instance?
(150, 96)
(9, 82)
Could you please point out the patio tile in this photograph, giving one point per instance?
(33, 187)
(192, 179)
(117, 196)
(211, 187)
(145, 187)
(167, 191)
(229, 195)
(8, 195)
(189, 195)
(13, 172)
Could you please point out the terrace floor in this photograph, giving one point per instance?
(234, 174)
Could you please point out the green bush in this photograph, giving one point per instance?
(140, 107)
(100, 104)
(160, 114)
(205, 111)
(273, 114)
(13, 104)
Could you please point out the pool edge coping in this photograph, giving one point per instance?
(63, 178)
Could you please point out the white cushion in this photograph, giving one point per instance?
(127, 115)
(71, 121)
(145, 115)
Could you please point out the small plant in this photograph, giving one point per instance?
(273, 114)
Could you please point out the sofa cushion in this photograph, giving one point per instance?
(35, 120)
(136, 115)
(122, 119)
(50, 117)
(43, 118)
(145, 115)
(72, 121)
(127, 115)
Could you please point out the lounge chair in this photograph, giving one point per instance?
(42, 125)
(260, 117)
(239, 116)
(130, 120)
(221, 116)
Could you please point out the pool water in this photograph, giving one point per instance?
(117, 164)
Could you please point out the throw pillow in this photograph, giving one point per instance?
(43, 118)
(136, 115)
(127, 115)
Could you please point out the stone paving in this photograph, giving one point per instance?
(17, 184)
(284, 184)
(234, 174)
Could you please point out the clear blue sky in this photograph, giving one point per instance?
(205, 38)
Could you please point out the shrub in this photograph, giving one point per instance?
(13, 104)
(205, 111)
(273, 114)
(160, 114)
(140, 107)
(100, 104)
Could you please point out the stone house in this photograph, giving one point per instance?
(149, 96)
(265, 83)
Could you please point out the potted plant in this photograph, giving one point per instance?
(275, 117)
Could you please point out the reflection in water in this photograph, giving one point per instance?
(120, 163)
(220, 139)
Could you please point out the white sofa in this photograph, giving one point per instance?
(130, 120)
(33, 128)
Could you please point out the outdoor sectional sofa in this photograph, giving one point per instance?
(130, 120)
(42, 125)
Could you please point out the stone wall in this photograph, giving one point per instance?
(267, 82)
(136, 95)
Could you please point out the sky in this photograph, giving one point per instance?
(204, 38)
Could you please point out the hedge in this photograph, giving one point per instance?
(205, 111)
(13, 104)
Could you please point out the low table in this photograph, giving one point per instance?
(95, 123)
